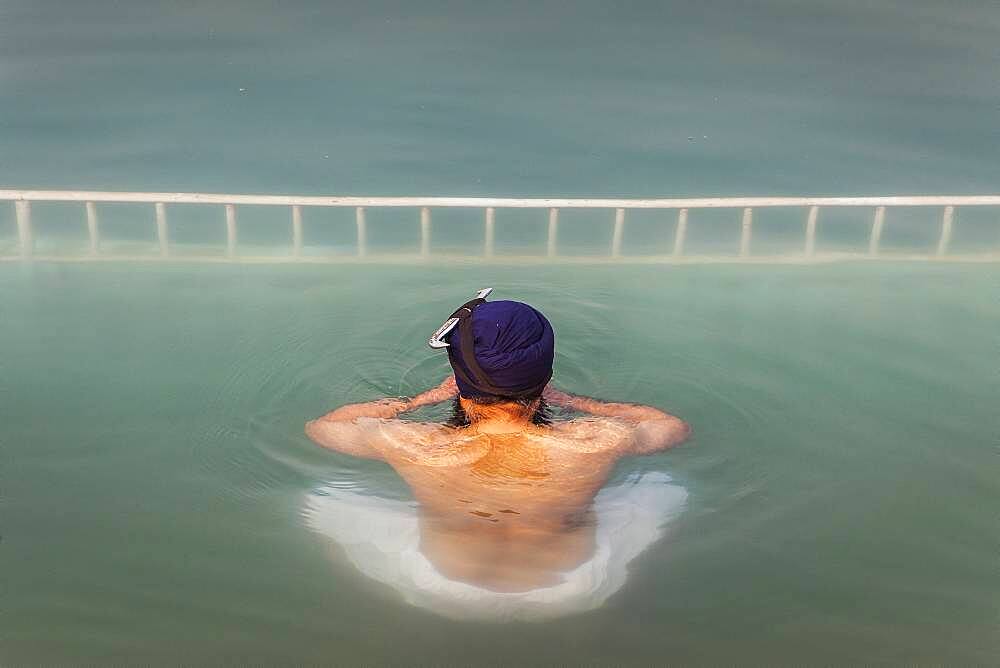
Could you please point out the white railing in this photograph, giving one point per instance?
(22, 200)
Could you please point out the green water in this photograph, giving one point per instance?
(844, 472)
(683, 98)
(842, 477)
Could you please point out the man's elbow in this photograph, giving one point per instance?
(656, 435)
(674, 432)
(313, 431)
(683, 432)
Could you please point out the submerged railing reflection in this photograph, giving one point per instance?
(23, 199)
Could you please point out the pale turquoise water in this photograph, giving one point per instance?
(522, 98)
(645, 99)
(843, 476)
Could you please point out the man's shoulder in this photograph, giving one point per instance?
(440, 445)
(424, 443)
(589, 435)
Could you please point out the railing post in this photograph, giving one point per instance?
(22, 211)
(359, 219)
(946, 222)
(746, 231)
(616, 237)
(92, 231)
(490, 219)
(297, 230)
(811, 231)
(681, 233)
(425, 232)
(231, 230)
(161, 229)
(877, 225)
(553, 232)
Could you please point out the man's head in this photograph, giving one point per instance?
(512, 347)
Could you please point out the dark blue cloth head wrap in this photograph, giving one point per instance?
(514, 346)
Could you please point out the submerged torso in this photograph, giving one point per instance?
(508, 512)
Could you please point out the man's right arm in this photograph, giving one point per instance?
(655, 430)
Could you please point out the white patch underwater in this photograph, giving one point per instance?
(381, 538)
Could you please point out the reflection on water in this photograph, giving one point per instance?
(386, 540)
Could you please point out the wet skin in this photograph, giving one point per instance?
(504, 504)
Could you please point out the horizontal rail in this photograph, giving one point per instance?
(496, 202)
(529, 260)
(22, 203)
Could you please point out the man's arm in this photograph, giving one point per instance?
(338, 430)
(654, 429)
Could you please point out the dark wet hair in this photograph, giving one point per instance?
(460, 419)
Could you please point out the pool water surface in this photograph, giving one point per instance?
(841, 481)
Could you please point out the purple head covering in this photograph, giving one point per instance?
(514, 346)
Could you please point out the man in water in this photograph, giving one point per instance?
(506, 497)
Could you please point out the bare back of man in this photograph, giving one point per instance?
(504, 504)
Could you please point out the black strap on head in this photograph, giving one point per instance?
(468, 366)
(465, 310)
(468, 349)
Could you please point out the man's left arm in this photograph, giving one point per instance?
(338, 430)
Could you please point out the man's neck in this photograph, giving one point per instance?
(500, 426)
